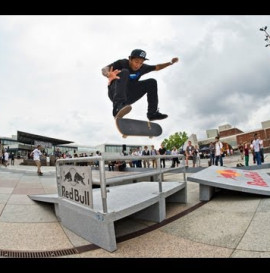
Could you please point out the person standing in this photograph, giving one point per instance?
(139, 151)
(190, 153)
(218, 152)
(212, 153)
(246, 153)
(261, 150)
(197, 153)
(6, 156)
(162, 151)
(12, 158)
(175, 160)
(153, 151)
(144, 153)
(256, 147)
(36, 153)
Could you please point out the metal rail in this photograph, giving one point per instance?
(102, 174)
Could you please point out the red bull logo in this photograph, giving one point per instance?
(229, 173)
(256, 179)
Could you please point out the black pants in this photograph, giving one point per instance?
(129, 91)
(162, 162)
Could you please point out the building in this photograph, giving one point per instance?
(117, 149)
(23, 143)
(235, 137)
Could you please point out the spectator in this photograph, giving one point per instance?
(111, 165)
(218, 151)
(36, 153)
(252, 151)
(12, 158)
(197, 154)
(256, 147)
(139, 162)
(146, 152)
(175, 160)
(120, 166)
(212, 153)
(246, 153)
(6, 156)
(190, 154)
(153, 151)
(135, 153)
(261, 150)
(162, 151)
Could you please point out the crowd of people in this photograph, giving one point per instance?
(255, 149)
(5, 156)
(216, 152)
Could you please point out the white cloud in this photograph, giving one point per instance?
(51, 82)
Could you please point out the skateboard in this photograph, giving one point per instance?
(133, 127)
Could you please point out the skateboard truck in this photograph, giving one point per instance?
(149, 124)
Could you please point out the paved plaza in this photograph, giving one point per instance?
(231, 225)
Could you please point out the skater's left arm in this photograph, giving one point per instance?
(161, 66)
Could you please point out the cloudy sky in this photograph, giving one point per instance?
(51, 82)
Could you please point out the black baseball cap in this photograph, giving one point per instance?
(139, 53)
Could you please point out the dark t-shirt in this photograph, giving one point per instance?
(134, 75)
(162, 151)
(190, 150)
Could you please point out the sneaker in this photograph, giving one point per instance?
(121, 110)
(40, 173)
(156, 115)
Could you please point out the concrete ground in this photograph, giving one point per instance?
(231, 225)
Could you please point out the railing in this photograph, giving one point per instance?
(102, 175)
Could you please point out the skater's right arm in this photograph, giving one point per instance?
(110, 73)
(105, 71)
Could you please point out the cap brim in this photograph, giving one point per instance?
(138, 57)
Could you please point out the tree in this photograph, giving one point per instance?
(176, 140)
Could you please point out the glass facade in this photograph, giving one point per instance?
(116, 148)
(23, 150)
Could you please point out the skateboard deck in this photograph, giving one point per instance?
(133, 127)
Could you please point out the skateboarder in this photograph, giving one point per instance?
(124, 87)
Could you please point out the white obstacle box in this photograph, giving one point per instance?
(91, 213)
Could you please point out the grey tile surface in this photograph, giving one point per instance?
(257, 236)
(1, 208)
(36, 213)
(4, 197)
(219, 228)
(33, 236)
(7, 190)
(16, 199)
(230, 225)
(250, 254)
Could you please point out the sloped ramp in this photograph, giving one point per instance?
(251, 181)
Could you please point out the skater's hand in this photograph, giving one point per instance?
(174, 60)
(112, 75)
